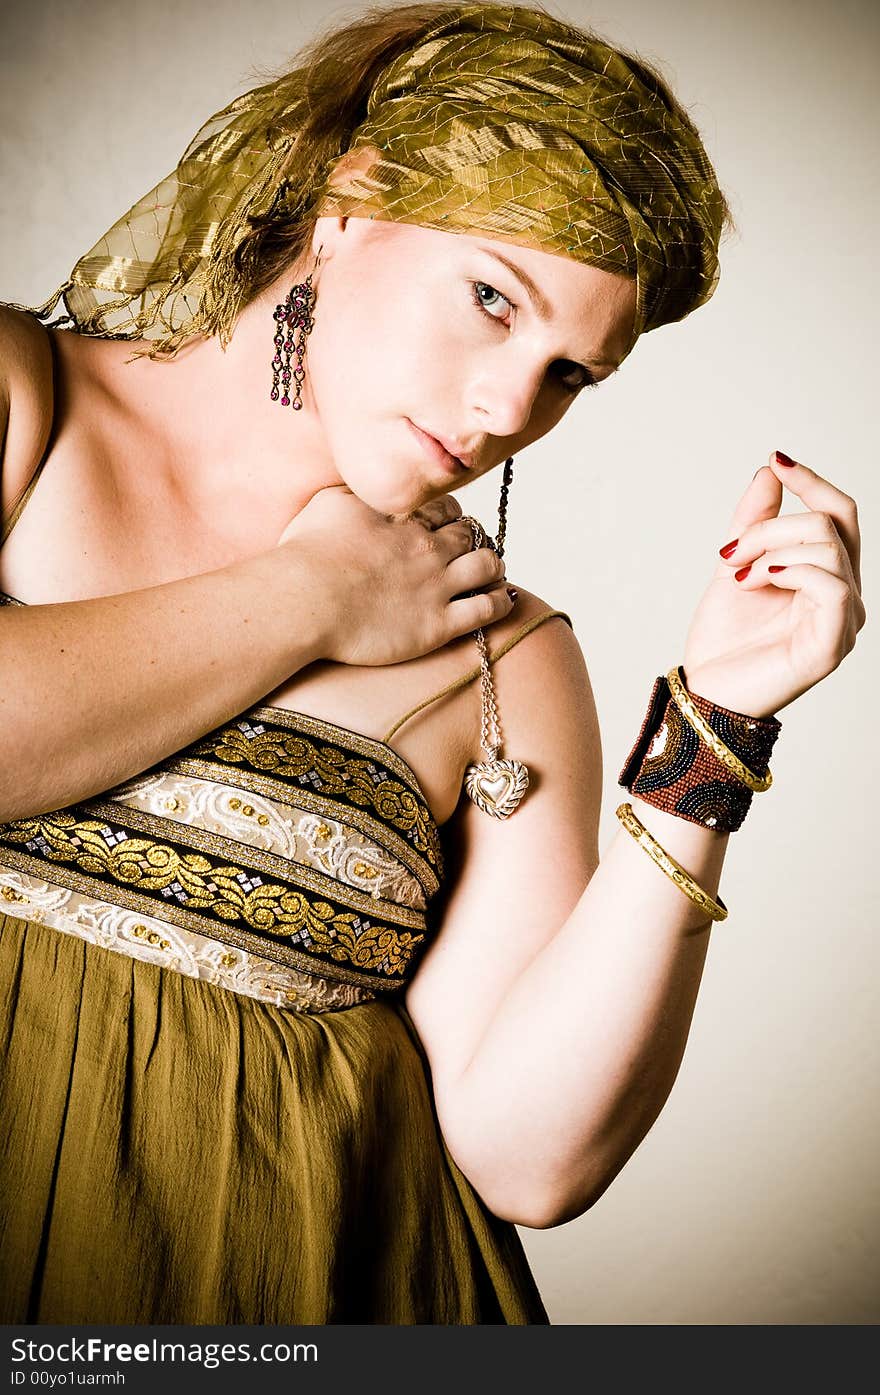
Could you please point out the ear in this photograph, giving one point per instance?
(326, 235)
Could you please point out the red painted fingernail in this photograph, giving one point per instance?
(743, 572)
(776, 569)
(729, 548)
(783, 459)
(512, 592)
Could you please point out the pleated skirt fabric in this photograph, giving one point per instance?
(172, 1152)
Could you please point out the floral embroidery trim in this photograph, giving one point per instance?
(269, 741)
(301, 798)
(153, 941)
(172, 840)
(210, 895)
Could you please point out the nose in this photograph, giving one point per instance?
(502, 395)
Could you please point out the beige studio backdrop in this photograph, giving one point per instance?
(754, 1199)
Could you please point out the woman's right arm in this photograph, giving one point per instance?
(94, 692)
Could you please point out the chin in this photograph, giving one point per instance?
(390, 495)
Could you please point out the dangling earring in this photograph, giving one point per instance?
(293, 315)
(497, 784)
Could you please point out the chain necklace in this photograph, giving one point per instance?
(497, 784)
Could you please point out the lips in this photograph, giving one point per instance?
(440, 450)
(456, 452)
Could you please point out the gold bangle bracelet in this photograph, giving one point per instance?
(682, 700)
(683, 880)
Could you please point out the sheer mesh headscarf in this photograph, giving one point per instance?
(497, 120)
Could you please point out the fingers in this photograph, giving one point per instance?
(475, 577)
(757, 526)
(787, 536)
(473, 570)
(838, 614)
(762, 499)
(437, 512)
(830, 556)
(821, 496)
(821, 570)
(455, 538)
(467, 613)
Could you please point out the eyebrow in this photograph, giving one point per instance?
(539, 302)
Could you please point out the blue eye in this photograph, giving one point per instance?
(489, 300)
(570, 375)
(574, 376)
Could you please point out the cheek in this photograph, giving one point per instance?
(381, 354)
(339, 343)
(551, 406)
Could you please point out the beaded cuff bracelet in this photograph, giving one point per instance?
(671, 767)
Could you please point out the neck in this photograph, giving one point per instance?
(229, 451)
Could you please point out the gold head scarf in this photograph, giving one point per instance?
(498, 120)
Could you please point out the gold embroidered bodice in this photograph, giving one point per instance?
(280, 856)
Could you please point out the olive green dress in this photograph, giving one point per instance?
(214, 1107)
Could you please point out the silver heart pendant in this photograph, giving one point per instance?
(497, 786)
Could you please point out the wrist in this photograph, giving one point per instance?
(721, 691)
(310, 596)
(697, 759)
(291, 589)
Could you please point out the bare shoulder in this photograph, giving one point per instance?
(26, 401)
(540, 666)
(549, 721)
(530, 618)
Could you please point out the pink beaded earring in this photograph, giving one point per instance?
(292, 316)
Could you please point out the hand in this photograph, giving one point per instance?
(393, 588)
(757, 643)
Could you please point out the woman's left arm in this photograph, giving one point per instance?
(556, 1001)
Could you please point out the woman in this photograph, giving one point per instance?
(303, 1058)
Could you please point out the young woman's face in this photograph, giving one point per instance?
(424, 337)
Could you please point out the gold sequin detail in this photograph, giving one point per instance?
(187, 952)
(293, 801)
(289, 755)
(226, 892)
(152, 937)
